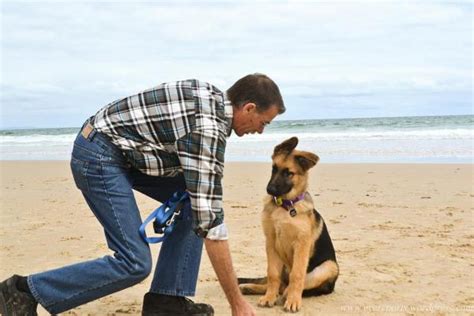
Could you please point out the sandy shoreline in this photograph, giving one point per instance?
(403, 233)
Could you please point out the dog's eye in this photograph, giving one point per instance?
(288, 173)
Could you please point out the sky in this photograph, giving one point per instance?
(61, 61)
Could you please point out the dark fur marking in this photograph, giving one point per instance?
(286, 147)
(307, 162)
(323, 246)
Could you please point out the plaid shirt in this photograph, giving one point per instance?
(172, 128)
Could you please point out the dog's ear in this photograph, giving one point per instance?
(286, 147)
(306, 160)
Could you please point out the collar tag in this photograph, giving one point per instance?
(289, 204)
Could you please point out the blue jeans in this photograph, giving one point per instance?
(106, 180)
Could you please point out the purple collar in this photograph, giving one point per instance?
(289, 204)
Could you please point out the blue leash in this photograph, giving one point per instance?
(165, 217)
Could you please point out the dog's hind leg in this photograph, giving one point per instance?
(322, 279)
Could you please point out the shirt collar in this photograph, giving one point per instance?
(229, 114)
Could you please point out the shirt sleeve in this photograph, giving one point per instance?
(201, 154)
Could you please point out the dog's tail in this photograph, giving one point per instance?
(252, 280)
(252, 286)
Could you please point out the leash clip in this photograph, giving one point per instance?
(173, 218)
(164, 218)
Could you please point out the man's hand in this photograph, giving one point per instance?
(219, 254)
(245, 309)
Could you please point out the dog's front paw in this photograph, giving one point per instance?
(293, 303)
(267, 301)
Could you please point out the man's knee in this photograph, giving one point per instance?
(138, 266)
(144, 266)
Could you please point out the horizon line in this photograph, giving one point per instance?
(276, 120)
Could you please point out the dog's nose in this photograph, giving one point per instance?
(272, 190)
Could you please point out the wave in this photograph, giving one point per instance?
(37, 139)
(441, 139)
(445, 134)
(457, 134)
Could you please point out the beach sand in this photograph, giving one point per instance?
(403, 234)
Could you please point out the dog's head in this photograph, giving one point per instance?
(290, 170)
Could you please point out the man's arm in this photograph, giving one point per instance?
(219, 254)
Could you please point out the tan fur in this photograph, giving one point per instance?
(290, 240)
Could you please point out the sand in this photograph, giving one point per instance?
(403, 234)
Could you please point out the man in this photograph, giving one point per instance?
(168, 138)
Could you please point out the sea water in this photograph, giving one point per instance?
(433, 139)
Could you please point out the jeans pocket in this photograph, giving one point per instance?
(79, 172)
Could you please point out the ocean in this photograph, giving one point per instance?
(423, 139)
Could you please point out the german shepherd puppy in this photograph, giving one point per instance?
(301, 260)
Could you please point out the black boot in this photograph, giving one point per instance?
(14, 302)
(165, 305)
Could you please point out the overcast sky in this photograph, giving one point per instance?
(63, 60)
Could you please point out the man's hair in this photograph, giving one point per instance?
(256, 88)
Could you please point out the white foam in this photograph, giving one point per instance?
(438, 134)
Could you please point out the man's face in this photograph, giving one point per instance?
(247, 120)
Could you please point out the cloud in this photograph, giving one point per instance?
(316, 49)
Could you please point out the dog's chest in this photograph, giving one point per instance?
(289, 231)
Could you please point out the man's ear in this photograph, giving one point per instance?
(286, 147)
(249, 107)
(306, 160)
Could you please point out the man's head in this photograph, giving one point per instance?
(256, 100)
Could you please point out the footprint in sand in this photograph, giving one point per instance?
(391, 272)
(370, 204)
(71, 238)
(238, 206)
(127, 310)
(36, 226)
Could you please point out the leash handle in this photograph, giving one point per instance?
(165, 217)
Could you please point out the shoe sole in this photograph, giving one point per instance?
(3, 302)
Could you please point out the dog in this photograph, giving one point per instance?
(301, 259)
